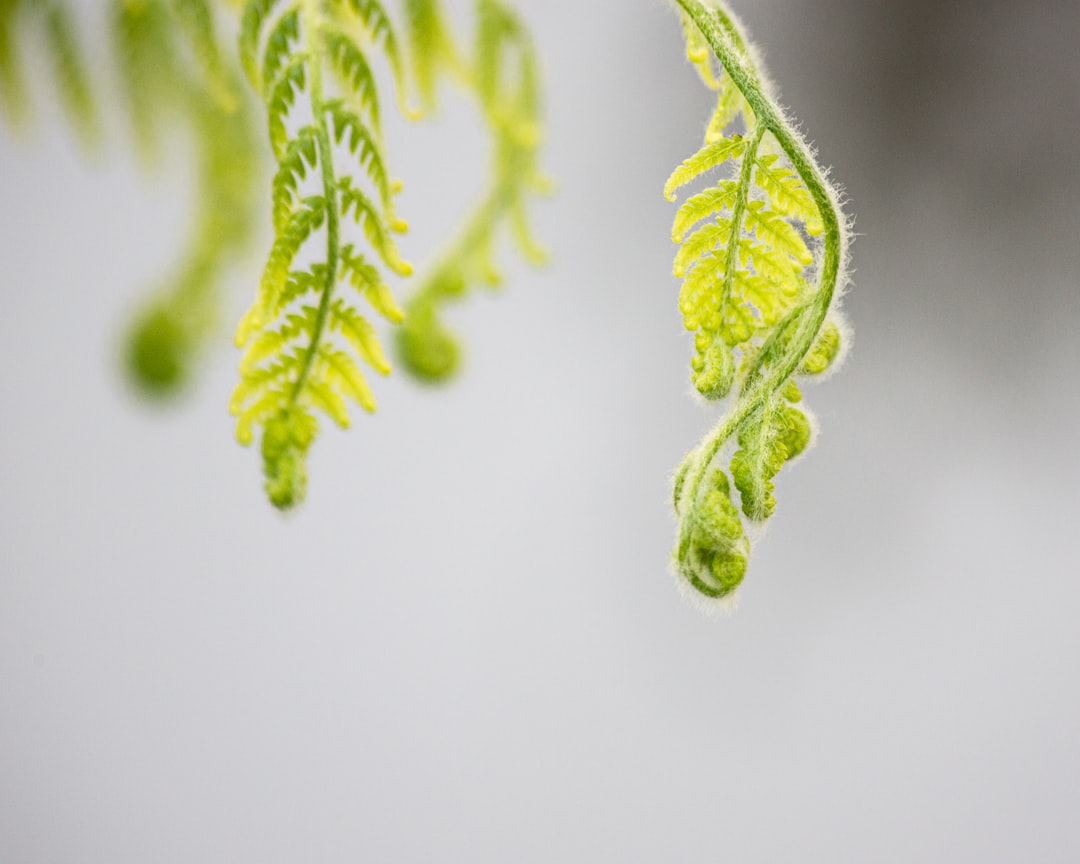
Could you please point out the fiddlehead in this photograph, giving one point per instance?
(174, 74)
(503, 75)
(761, 258)
(298, 334)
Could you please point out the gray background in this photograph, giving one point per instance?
(467, 645)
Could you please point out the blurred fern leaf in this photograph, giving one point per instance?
(503, 75)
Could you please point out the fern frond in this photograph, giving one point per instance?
(715, 199)
(270, 343)
(367, 279)
(282, 95)
(824, 352)
(251, 26)
(326, 398)
(708, 157)
(363, 144)
(296, 231)
(287, 435)
(298, 159)
(375, 20)
(52, 19)
(300, 284)
(148, 63)
(341, 371)
(302, 360)
(730, 105)
(504, 77)
(787, 193)
(699, 54)
(355, 73)
(776, 435)
(777, 233)
(175, 76)
(756, 291)
(431, 48)
(256, 380)
(702, 241)
(360, 334)
(375, 226)
(280, 45)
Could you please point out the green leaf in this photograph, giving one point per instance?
(702, 206)
(787, 193)
(346, 125)
(282, 96)
(825, 350)
(281, 46)
(355, 72)
(367, 216)
(299, 157)
(255, 15)
(707, 158)
(778, 434)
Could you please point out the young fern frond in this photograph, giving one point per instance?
(503, 74)
(170, 70)
(175, 75)
(761, 258)
(301, 340)
(71, 76)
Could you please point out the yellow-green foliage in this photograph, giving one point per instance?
(175, 77)
(759, 257)
(762, 243)
(502, 73)
(432, 48)
(302, 342)
(313, 64)
(51, 19)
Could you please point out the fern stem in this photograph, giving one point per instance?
(310, 14)
(736, 35)
(729, 46)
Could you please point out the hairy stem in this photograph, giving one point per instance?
(738, 211)
(727, 43)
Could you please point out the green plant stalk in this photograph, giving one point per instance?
(729, 47)
(738, 212)
(326, 166)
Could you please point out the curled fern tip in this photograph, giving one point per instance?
(760, 255)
